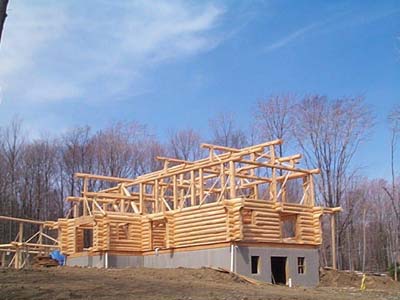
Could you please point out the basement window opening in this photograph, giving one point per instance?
(255, 265)
(300, 265)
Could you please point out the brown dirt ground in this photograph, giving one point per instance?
(184, 284)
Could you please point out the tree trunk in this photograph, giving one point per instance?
(3, 14)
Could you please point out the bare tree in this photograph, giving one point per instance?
(329, 133)
(3, 15)
(11, 150)
(225, 133)
(394, 121)
(77, 154)
(185, 144)
(274, 118)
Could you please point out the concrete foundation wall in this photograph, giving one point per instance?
(218, 257)
(311, 258)
(97, 261)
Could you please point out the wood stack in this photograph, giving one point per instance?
(44, 261)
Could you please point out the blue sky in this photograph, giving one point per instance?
(175, 64)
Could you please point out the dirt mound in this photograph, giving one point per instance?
(335, 278)
(169, 284)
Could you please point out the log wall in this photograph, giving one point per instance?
(247, 220)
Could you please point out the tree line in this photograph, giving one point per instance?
(37, 174)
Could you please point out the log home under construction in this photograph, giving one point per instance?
(233, 209)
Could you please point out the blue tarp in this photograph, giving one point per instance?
(56, 255)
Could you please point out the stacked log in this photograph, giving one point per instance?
(63, 235)
(266, 224)
(124, 232)
(146, 234)
(200, 225)
(234, 219)
(71, 237)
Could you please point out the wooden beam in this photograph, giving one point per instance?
(230, 149)
(201, 185)
(6, 218)
(85, 190)
(333, 241)
(156, 196)
(192, 189)
(174, 160)
(272, 187)
(223, 182)
(279, 166)
(232, 180)
(141, 198)
(175, 191)
(105, 178)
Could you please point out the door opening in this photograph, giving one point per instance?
(278, 270)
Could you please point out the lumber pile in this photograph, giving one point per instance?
(44, 261)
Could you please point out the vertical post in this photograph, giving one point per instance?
(141, 198)
(222, 176)
(252, 173)
(201, 185)
(3, 259)
(273, 177)
(163, 207)
(18, 253)
(211, 154)
(283, 194)
(306, 193)
(252, 158)
(156, 196)
(182, 191)
(232, 180)
(75, 210)
(175, 191)
(192, 189)
(333, 241)
(122, 206)
(40, 239)
(20, 232)
(256, 194)
(311, 189)
(85, 204)
(122, 202)
(16, 257)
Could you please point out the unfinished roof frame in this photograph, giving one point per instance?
(226, 173)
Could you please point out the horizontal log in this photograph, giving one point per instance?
(196, 233)
(191, 242)
(200, 226)
(6, 218)
(199, 221)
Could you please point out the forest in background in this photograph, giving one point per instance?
(37, 174)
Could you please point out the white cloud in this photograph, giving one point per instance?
(53, 51)
(341, 20)
(291, 37)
